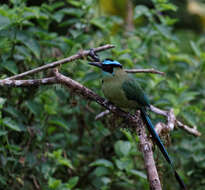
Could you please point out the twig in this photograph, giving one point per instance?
(161, 128)
(102, 114)
(193, 130)
(144, 71)
(172, 121)
(35, 182)
(158, 111)
(79, 55)
(129, 17)
(26, 83)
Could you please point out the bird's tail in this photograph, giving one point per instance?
(159, 143)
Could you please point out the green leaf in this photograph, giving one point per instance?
(195, 49)
(58, 16)
(124, 163)
(185, 97)
(101, 171)
(3, 180)
(122, 148)
(190, 118)
(138, 173)
(73, 12)
(53, 6)
(120, 165)
(59, 122)
(106, 180)
(23, 51)
(11, 124)
(98, 22)
(2, 133)
(4, 22)
(54, 183)
(167, 7)
(163, 30)
(65, 162)
(141, 10)
(102, 162)
(2, 101)
(30, 43)
(34, 107)
(72, 182)
(75, 3)
(15, 113)
(10, 66)
(57, 154)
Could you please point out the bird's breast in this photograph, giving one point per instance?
(113, 91)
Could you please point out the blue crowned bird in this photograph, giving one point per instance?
(124, 91)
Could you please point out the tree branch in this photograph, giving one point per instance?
(144, 71)
(135, 122)
(79, 55)
(27, 83)
(146, 149)
(171, 121)
(102, 114)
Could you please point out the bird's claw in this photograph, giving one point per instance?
(93, 55)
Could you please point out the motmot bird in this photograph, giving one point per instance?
(125, 92)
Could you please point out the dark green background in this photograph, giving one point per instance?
(48, 136)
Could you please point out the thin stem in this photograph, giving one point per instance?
(144, 71)
(79, 55)
(24, 83)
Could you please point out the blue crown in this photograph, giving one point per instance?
(111, 62)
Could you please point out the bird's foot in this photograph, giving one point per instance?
(93, 55)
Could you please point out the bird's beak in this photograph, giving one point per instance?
(97, 64)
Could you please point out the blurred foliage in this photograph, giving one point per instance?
(48, 136)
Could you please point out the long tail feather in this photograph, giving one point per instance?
(161, 146)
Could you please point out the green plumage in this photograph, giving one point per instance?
(123, 91)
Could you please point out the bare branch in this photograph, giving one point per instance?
(172, 121)
(161, 127)
(144, 71)
(102, 114)
(146, 149)
(27, 83)
(129, 20)
(79, 55)
(192, 131)
(159, 111)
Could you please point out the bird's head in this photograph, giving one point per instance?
(107, 65)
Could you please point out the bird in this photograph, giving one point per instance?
(123, 91)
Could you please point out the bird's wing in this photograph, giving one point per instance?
(134, 92)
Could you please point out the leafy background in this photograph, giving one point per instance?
(48, 136)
